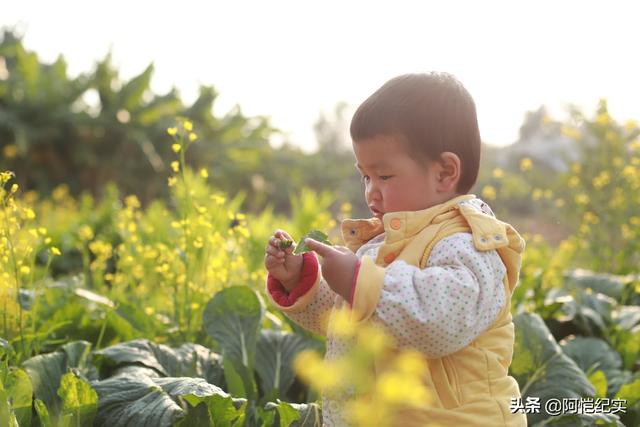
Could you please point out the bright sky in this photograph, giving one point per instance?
(291, 59)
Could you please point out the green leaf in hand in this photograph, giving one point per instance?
(284, 244)
(315, 235)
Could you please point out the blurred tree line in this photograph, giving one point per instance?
(95, 128)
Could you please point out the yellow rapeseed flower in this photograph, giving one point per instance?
(24, 270)
(55, 251)
(175, 166)
(570, 132)
(172, 131)
(610, 136)
(489, 192)
(192, 137)
(601, 180)
(29, 213)
(573, 182)
(131, 201)
(176, 148)
(5, 177)
(204, 173)
(537, 194)
(603, 119)
(187, 125)
(373, 339)
(526, 164)
(218, 199)
(498, 173)
(627, 232)
(590, 218)
(85, 232)
(581, 199)
(10, 151)
(172, 181)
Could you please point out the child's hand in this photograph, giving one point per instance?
(280, 261)
(338, 266)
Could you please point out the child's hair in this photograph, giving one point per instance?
(433, 112)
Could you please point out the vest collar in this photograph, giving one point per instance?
(398, 225)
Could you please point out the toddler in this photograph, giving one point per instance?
(433, 265)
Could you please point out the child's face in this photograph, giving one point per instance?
(393, 180)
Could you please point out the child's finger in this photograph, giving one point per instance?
(274, 251)
(319, 247)
(271, 261)
(274, 241)
(282, 234)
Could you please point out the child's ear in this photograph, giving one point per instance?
(449, 172)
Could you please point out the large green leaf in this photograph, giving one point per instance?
(606, 284)
(43, 413)
(20, 391)
(275, 353)
(134, 400)
(593, 354)
(79, 400)
(586, 314)
(222, 409)
(189, 359)
(154, 402)
(630, 392)
(232, 317)
(627, 316)
(7, 416)
(541, 367)
(46, 370)
(297, 414)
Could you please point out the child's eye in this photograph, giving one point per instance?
(385, 177)
(364, 178)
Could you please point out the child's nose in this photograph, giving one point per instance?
(372, 192)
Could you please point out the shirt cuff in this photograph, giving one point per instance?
(303, 293)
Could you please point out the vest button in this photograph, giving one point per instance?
(395, 223)
(388, 258)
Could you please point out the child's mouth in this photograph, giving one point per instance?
(376, 212)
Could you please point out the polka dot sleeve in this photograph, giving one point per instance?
(442, 308)
(315, 316)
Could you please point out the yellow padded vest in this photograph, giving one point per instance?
(470, 387)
